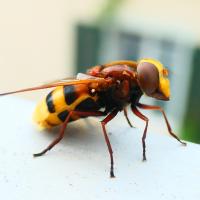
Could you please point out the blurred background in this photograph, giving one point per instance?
(43, 40)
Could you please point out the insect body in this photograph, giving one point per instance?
(56, 106)
(109, 87)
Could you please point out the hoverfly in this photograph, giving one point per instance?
(111, 87)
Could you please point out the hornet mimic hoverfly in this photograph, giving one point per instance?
(111, 87)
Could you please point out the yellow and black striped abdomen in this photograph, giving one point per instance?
(55, 107)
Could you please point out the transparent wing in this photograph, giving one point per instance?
(62, 82)
(79, 76)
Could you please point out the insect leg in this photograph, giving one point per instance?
(62, 130)
(141, 116)
(103, 123)
(149, 107)
(126, 116)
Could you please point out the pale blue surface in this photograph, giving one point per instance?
(78, 167)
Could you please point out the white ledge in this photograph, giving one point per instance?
(78, 167)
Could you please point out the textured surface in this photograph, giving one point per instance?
(78, 167)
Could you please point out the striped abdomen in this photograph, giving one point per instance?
(54, 109)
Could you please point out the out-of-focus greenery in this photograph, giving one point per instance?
(191, 127)
(108, 11)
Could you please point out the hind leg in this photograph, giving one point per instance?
(63, 127)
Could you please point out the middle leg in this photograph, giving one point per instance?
(103, 123)
(141, 116)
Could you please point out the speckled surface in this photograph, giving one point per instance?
(78, 167)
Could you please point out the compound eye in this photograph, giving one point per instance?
(148, 77)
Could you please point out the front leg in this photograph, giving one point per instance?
(149, 107)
